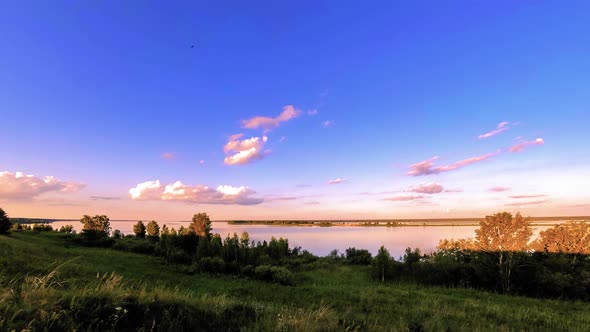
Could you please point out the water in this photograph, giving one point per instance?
(321, 240)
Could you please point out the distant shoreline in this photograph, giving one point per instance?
(457, 222)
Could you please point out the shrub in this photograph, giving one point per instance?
(358, 256)
(67, 229)
(276, 274)
(211, 265)
(42, 228)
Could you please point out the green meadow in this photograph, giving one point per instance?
(49, 284)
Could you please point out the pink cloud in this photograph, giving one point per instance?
(528, 203)
(519, 147)
(427, 167)
(168, 155)
(177, 191)
(457, 190)
(337, 181)
(427, 188)
(267, 123)
(528, 196)
(404, 198)
(328, 123)
(22, 186)
(242, 152)
(201, 162)
(498, 189)
(502, 127)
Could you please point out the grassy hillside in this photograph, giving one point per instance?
(48, 284)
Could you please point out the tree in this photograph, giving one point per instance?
(139, 229)
(5, 223)
(201, 225)
(382, 263)
(153, 230)
(503, 235)
(117, 234)
(99, 224)
(569, 238)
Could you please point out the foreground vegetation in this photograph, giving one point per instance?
(162, 279)
(49, 284)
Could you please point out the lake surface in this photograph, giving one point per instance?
(321, 240)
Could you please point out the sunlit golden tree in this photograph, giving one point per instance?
(139, 229)
(153, 230)
(201, 225)
(96, 224)
(569, 238)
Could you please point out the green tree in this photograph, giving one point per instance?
(382, 264)
(502, 235)
(117, 234)
(201, 225)
(5, 223)
(153, 230)
(139, 229)
(99, 224)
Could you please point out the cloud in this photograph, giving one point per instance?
(303, 186)
(426, 188)
(201, 162)
(168, 155)
(312, 112)
(528, 203)
(502, 127)
(328, 123)
(404, 198)
(281, 198)
(289, 112)
(20, 186)
(528, 196)
(244, 151)
(427, 167)
(337, 181)
(498, 189)
(178, 191)
(457, 190)
(312, 203)
(104, 198)
(282, 139)
(519, 147)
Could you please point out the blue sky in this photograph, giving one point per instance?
(94, 94)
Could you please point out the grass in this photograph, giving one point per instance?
(46, 284)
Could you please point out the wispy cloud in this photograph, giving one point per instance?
(201, 162)
(168, 155)
(337, 181)
(241, 152)
(22, 186)
(312, 203)
(312, 112)
(528, 203)
(104, 198)
(519, 147)
(404, 198)
(427, 188)
(428, 167)
(267, 123)
(303, 186)
(498, 189)
(528, 196)
(456, 190)
(177, 191)
(328, 123)
(502, 127)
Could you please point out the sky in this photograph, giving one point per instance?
(294, 109)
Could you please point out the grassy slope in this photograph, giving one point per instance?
(323, 297)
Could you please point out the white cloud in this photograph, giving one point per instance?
(241, 152)
(178, 191)
(328, 123)
(21, 186)
(337, 181)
